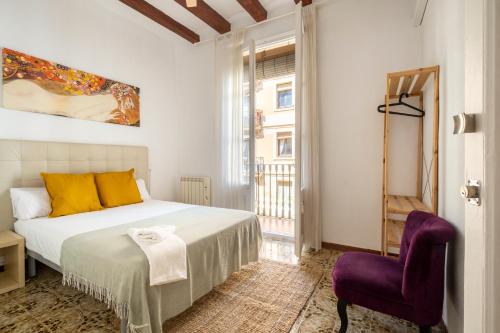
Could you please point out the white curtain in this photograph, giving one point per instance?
(310, 185)
(231, 188)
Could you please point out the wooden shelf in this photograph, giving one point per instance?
(400, 204)
(410, 83)
(394, 232)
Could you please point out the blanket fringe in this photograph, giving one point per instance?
(103, 295)
(100, 293)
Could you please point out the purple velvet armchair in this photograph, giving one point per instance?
(411, 287)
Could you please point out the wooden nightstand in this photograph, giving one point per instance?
(12, 249)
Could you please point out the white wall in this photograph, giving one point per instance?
(105, 40)
(443, 44)
(359, 42)
(195, 86)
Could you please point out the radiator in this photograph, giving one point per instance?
(195, 190)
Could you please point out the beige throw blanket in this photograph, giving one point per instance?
(109, 266)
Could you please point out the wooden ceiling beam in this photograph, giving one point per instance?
(148, 10)
(208, 15)
(255, 9)
(304, 2)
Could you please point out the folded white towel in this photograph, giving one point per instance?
(155, 233)
(167, 257)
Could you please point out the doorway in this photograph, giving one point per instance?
(274, 138)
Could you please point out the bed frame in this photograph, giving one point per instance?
(22, 161)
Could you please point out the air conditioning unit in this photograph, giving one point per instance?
(420, 7)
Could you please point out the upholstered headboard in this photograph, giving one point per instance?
(22, 161)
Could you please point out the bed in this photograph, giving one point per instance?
(219, 241)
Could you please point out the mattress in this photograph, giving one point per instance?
(45, 236)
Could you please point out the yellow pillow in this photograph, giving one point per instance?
(117, 188)
(71, 193)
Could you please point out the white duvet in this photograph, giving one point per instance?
(45, 236)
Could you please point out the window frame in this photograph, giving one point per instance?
(277, 144)
(285, 85)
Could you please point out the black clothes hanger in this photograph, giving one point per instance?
(420, 114)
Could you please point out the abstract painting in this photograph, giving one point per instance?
(37, 85)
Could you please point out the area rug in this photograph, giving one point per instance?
(263, 297)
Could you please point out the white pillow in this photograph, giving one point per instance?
(141, 185)
(30, 202)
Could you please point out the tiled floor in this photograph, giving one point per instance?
(275, 248)
(277, 226)
(44, 305)
(320, 313)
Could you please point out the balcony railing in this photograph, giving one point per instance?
(275, 190)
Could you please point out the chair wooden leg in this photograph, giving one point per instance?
(342, 310)
(424, 329)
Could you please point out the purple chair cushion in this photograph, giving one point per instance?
(369, 273)
(371, 281)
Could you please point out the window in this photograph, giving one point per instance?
(284, 95)
(284, 144)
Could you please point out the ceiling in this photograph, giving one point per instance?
(231, 10)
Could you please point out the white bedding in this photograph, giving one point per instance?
(45, 235)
